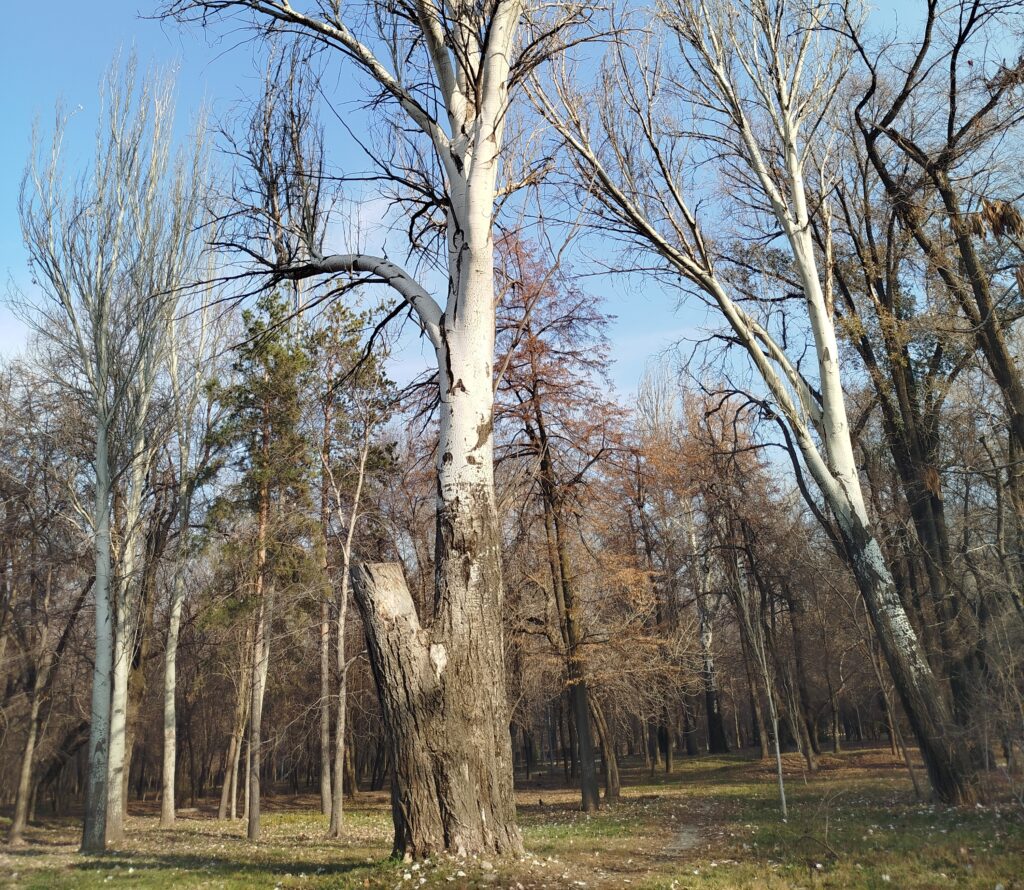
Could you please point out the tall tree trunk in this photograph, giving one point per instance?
(566, 601)
(338, 803)
(246, 783)
(229, 779)
(260, 643)
(24, 789)
(257, 688)
(442, 688)
(170, 752)
(95, 822)
(942, 750)
(325, 703)
(326, 801)
(127, 589)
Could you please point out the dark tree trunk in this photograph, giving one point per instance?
(612, 783)
(442, 697)
(690, 730)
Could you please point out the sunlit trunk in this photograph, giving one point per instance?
(170, 751)
(95, 821)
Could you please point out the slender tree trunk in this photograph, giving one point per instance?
(170, 753)
(689, 709)
(351, 777)
(665, 739)
(24, 790)
(833, 701)
(778, 751)
(257, 688)
(612, 783)
(94, 824)
(338, 804)
(229, 792)
(246, 784)
(229, 779)
(567, 604)
(326, 801)
(325, 704)
(260, 644)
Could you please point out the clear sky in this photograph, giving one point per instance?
(61, 49)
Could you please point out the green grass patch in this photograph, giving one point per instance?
(713, 823)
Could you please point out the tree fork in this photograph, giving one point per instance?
(448, 790)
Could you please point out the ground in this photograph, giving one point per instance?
(714, 823)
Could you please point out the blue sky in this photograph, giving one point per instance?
(62, 49)
(65, 57)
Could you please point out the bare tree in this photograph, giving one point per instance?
(109, 252)
(194, 344)
(756, 88)
(447, 70)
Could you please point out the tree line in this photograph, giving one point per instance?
(804, 531)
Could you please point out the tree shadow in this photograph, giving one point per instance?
(224, 865)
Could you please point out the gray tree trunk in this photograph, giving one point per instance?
(94, 827)
(450, 748)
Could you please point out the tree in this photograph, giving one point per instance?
(549, 392)
(40, 560)
(669, 470)
(192, 353)
(765, 83)
(354, 403)
(264, 409)
(451, 747)
(110, 255)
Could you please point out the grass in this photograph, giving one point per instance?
(713, 824)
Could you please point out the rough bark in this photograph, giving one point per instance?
(942, 748)
(450, 786)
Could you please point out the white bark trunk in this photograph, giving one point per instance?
(260, 666)
(118, 724)
(94, 824)
(124, 641)
(169, 767)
